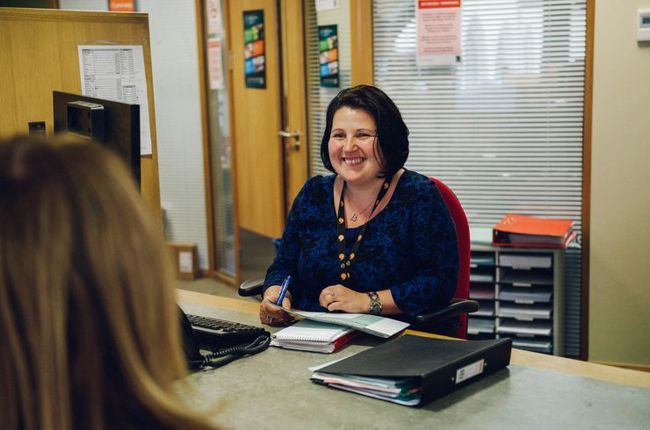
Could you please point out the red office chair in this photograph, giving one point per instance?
(450, 320)
(459, 306)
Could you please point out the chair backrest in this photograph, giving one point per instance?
(462, 235)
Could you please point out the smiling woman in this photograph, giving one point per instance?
(373, 237)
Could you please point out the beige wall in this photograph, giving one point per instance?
(619, 313)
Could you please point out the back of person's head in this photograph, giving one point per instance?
(88, 322)
(392, 132)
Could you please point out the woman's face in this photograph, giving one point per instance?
(352, 146)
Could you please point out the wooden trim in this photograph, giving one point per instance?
(225, 13)
(294, 100)
(205, 133)
(225, 279)
(361, 42)
(15, 14)
(219, 277)
(586, 181)
(639, 367)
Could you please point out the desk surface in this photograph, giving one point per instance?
(272, 390)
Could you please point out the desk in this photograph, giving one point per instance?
(272, 390)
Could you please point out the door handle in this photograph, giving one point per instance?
(295, 135)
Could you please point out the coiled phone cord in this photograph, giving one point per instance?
(226, 355)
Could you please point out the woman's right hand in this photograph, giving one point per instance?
(271, 315)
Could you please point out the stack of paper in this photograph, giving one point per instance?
(404, 391)
(372, 324)
(313, 336)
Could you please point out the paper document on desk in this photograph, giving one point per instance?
(371, 324)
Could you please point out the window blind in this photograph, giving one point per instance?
(504, 128)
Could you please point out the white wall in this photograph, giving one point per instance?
(619, 273)
(174, 58)
(83, 4)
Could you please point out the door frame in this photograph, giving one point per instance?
(294, 117)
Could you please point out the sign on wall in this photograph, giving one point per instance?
(438, 32)
(121, 5)
(328, 48)
(254, 57)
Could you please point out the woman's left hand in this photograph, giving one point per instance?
(340, 298)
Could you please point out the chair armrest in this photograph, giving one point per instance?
(251, 287)
(456, 308)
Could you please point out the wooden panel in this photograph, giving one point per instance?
(294, 99)
(257, 147)
(39, 55)
(361, 42)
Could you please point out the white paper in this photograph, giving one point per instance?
(312, 331)
(116, 72)
(213, 12)
(322, 5)
(185, 262)
(438, 32)
(372, 324)
(481, 235)
(469, 371)
(215, 64)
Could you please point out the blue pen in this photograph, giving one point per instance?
(283, 290)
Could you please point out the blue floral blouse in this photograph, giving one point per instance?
(409, 247)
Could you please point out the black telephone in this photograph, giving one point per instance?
(226, 340)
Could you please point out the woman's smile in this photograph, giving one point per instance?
(353, 146)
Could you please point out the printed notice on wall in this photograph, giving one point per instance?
(116, 72)
(213, 14)
(254, 58)
(215, 64)
(328, 50)
(438, 32)
(323, 5)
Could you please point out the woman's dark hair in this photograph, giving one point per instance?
(392, 133)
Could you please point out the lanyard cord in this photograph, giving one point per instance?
(346, 262)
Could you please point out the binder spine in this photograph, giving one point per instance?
(443, 382)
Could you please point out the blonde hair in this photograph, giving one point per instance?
(88, 321)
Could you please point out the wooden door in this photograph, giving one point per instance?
(257, 119)
(294, 98)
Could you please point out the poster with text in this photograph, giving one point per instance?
(254, 58)
(438, 32)
(116, 72)
(328, 49)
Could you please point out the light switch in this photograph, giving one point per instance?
(643, 26)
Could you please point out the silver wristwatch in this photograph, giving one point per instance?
(375, 304)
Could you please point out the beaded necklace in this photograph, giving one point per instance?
(346, 262)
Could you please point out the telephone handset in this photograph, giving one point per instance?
(226, 340)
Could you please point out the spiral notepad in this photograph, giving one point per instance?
(308, 335)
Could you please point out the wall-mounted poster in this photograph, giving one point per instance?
(328, 48)
(254, 58)
(121, 5)
(438, 32)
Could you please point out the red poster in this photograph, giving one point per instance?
(121, 5)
